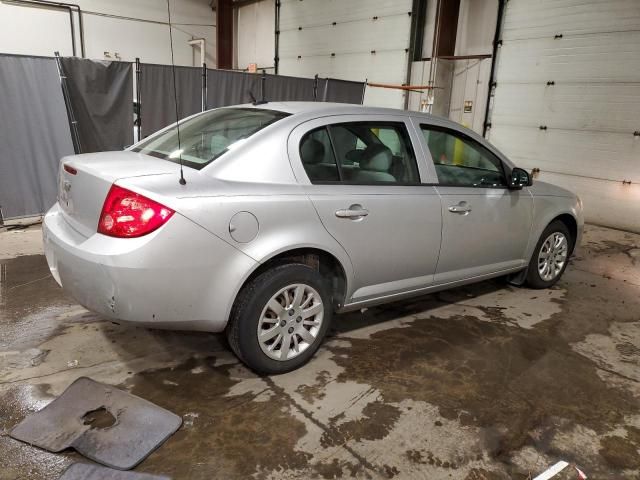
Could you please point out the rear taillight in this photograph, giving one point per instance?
(126, 214)
(70, 169)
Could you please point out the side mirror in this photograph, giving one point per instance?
(519, 178)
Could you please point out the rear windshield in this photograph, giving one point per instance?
(208, 135)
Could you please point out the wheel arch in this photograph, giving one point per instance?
(568, 219)
(319, 259)
(572, 225)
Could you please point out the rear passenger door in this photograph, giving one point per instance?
(362, 175)
(485, 225)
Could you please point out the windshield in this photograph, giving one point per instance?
(208, 136)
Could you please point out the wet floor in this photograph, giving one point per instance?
(483, 382)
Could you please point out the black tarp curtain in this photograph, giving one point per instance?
(101, 96)
(35, 131)
(34, 134)
(226, 87)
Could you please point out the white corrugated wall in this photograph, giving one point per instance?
(590, 50)
(348, 39)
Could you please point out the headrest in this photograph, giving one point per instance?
(377, 158)
(312, 151)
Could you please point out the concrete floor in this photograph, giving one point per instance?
(482, 382)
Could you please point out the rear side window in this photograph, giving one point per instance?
(317, 156)
(460, 161)
(362, 153)
(209, 135)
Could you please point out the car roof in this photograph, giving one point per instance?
(326, 108)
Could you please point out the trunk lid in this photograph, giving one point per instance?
(83, 186)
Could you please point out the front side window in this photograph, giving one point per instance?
(208, 136)
(459, 161)
(360, 153)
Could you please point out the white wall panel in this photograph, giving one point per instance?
(612, 156)
(546, 18)
(607, 57)
(308, 38)
(592, 106)
(590, 113)
(297, 13)
(352, 37)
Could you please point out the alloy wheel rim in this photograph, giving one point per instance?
(552, 256)
(290, 322)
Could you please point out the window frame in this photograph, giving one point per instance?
(467, 138)
(400, 123)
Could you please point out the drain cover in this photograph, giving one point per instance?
(84, 471)
(102, 423)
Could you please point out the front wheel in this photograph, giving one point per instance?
(280, 318)
(550, 257)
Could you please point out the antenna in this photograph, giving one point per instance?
(182, 181)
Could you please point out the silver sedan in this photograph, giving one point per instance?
(262, 221)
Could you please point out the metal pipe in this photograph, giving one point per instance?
(460, 57)
(276, 58)
(73, 35)
(401, 87)
(138, 99)
(204, 86)
(73, 123)
(496, 44)
(364, 89)
(81, 27)
(315, 88)
(200, 42)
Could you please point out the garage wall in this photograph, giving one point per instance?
(336, 38)
(130, 28)
(579, 131)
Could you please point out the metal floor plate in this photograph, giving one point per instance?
(85, 471)
(102, 423)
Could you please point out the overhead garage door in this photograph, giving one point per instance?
(567, 100)
(348, 39)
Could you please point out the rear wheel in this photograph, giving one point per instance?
(280, 318)
(550, 257)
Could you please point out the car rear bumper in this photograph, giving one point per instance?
(180, 276)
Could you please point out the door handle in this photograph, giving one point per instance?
(463, 208)
(354, 212)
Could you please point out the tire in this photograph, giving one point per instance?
(547, 278)
(253, 314)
